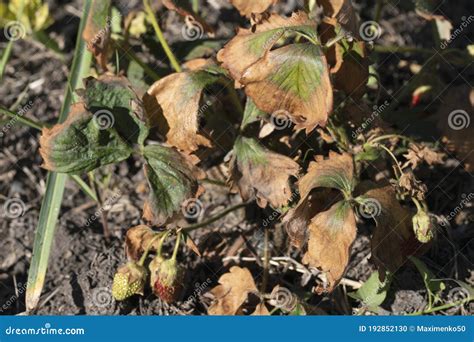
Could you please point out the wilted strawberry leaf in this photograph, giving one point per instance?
(232, 292)
(249, 45)
(393, 239)
(336, 172)
(96, 34)
(138, 239)
(80, 144)
(172, 179)
(343, 12)
(247, 7)
(251, 113)
(172, 107)
(295, 79)
(261, 173)
(331, 234)
(114, 103)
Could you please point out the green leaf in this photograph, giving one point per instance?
(81, 144)
(433, 286)
(373, 292)
(114, 94)
(55, 182)
(368, 153)
(251, 113)
(172, 180)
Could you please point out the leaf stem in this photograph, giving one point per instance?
(161, 38)
(214, 218)
(393, 157)
(176, 246)
(147, 249)
(442, 307)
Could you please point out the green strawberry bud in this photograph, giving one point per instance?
(422, 226)
(129, 280)
(169, 282)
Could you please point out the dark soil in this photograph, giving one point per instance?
(83, 262)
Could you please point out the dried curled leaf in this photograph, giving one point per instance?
(293, 79)
(331, 234)
(113, 102)
(418, 153)
(261, 173)
(247, 7)
(172, 180)
(232, 292)
(80, 144)
(336, 172)
(97, 35)
(187, 13)
(177, 119)
(343, 12)
(393, 239)
(138, 239)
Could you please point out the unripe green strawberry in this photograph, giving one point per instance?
(422, 226)
(169, 283)
(129, 280)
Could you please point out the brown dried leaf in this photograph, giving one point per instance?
(232, 292)
(293, 79)
(297, 219)
(456, 122)
(97, 36)
(393, 239)
(178, 119)
(418, 153)
(343, 11)
(331, 234)
(249, 45)
(138, 239)
(336, 172)
(247, 7)
(259, 172)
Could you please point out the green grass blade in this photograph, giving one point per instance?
(55, 182)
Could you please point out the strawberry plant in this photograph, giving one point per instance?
(305, 144)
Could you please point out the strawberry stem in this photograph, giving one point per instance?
(147, 250)
(214, 218)
(176, 246)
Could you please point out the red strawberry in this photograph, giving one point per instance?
(169, 281)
